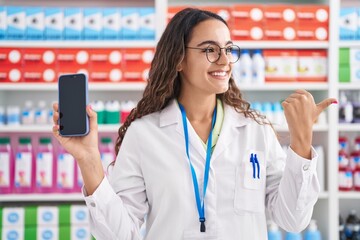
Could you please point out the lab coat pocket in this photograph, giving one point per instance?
(250, 183)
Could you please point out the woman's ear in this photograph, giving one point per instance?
(179, 67)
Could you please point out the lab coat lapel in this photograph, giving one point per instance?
(229, 130)
(172, 115)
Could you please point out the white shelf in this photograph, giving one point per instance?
(80, 44)
(103, 128)
(316, 128)
(349, 127)
(324, 195)
(349, 44)
(349, 86)
(349, 195)
(282, 44)
(44, 197)
(122, 86)
(288, 86)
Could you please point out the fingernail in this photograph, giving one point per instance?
(334, 102)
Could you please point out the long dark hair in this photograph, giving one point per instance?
(164, 81)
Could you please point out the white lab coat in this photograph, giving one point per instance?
(152, 176)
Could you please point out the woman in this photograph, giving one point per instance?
(192, 156)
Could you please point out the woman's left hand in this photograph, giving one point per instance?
(301, 112)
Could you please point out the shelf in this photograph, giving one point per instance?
(349, 44)
(123, 86)
(349, 127)
(324, 195)
(316, 128)
(49, 197)
(103, 128)
(288, 86)
(349, 195)
(282, 44)
(349, 86)
(80, 44)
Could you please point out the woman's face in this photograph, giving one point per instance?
(198, 75)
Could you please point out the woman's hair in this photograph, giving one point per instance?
(164, 81)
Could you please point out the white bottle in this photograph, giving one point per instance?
(41, 113)
(312, 232)
(27, 114)
(245, 67)
(2, 115)
(348, 111)
(13, 115)
(258, 67)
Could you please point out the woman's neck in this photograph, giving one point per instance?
(198, 108)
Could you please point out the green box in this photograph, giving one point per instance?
(64, 232)
(30, 216)
(344, 74)
(344, 56)
(30, 233)
(64, 215)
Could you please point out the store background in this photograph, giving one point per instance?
(331, 203)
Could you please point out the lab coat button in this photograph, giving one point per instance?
(306, 167)
(92, 204)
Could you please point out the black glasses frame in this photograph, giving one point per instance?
(206, 50)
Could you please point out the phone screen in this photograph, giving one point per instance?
(73, 120)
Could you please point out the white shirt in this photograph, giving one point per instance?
(152, 176)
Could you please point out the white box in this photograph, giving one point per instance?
(47, 233)
(10, 233)
(79, 214)
(13, 216)
(35, 23)
(147, 23)
(111, 23)
(130, 22)
(54, 23)
(92, 23)
(80, 232)
(73, 23)
(48, 216)
(348, 23)
(3, 24)
(16, 22)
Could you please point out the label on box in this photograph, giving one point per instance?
(92, 23)
(13, 216)
(147, 23)
(79, 214)
(4, 169)
(16, 23)
(23, 169)
(47, 233)
(111, 23)
(54, 23)
(44, 169)
(348, 23)
(130, 22)
(48, 216)
(10, 233)
(73, 23)
(35, 23)
(65, 171)
(80, 232)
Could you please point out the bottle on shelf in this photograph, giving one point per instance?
(112, 112)
(65, 171)
(24, 166)
(13, 115)
(107, 153)
(355, 163)
(345, 109)
(356, 107)
(41, 113)
(351, 221)
(99, 107)
(312, 232)
(245, 63)
(27, 114)
(293, 236)
(6, 166)
(258, 67)
(342, 235)
(274, 232)
(356, 232)
(45, 169)
(2, 116)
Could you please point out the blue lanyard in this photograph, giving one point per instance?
(199, 203)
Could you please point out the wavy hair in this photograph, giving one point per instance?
(164, 81)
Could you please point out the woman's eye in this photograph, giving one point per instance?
(209, 50)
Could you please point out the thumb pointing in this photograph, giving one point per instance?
(324, 104)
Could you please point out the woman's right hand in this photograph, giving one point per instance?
(84, 149)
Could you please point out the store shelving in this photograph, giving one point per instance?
(349, 127)
(42, 197)
(103, 128)
(288, 86)
(349, 86)
(349, 44)
(350, 195)
(282, 44)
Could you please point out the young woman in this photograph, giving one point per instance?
(192, 156)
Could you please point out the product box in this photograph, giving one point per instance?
(313, 14)
(92, 23)
(358, 27)
(344, 56)
(80, 232)
(47, 233)
(247, 13)
(9, 233)
(105, 65)
(280, 32)
(71, 61)
(73, 18)
(130, 22)
(147, 23)
(11, 63)
(312, 33)
(137, 63)
(348, 23)
(111, 23)
(48, 216)
(354, 56)
(65, 177)
(344, 73)
(13, 217)
(3, 24)
(355, 73)
(279, 14)
(16, 22)
(280, 65)
(39, 65)
(251, 32)
(312, 66)
(54, 23)
(35, 23)
(79, 215)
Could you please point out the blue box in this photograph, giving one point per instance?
(16, 23)
(54, 23)
(73, 23)
(348, 23)
(3, 25)
(130, 23)
(111, 23)
(147, 23)
(35, 23)
(358, 26)
(92, 23)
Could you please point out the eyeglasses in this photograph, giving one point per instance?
(213, 52)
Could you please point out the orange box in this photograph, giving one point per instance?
(312, 32)
(279, 14)
(244, 14)
(313, 14)
(280, 32)
(312, 66)
(105, 65)
(137, 63)
(11, 64)
(251, 31)
(280, 65)
(39, 65)
(72, 61)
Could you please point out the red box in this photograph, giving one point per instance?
(280, 32)
(11, 64)
(39, 65)
(312, 33)
(72, 61)
(251, 31)
(105, 65)
(247, 13)
(137, 64)
(313, 14)
(279, 14)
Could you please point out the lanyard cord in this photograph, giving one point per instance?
(199, 203)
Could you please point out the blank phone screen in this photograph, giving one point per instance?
(72, 104)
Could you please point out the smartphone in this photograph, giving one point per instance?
(73, 99)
